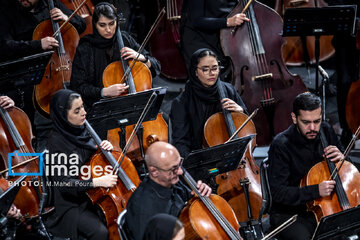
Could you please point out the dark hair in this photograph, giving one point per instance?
(177, 228)
(306, 101)
(72, 97)
(206, 53)
(104, 9)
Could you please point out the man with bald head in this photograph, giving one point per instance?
(161, 191)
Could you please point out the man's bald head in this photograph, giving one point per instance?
(159, 152)
(163, 161)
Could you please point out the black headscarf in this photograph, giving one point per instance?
(105, 50)
(59, 106)
(160, 227)
(206, 94)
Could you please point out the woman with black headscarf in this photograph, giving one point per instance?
(191, 109)
(70, 147)
(97, 50)
(163, 226)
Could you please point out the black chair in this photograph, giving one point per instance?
(265, 189)
(120, 222)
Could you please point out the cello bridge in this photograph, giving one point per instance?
(63, 68)
(262, 77)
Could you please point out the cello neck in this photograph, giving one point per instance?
(14, 133)
(55, 27)
(227, 115)
(224, 223)
(121, 173)
(342, 197)
(125, 65)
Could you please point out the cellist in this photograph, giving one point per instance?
(70, 140)
(161, 191)
(19, 19)
(97, 50)
(291, 155)
(191, 109)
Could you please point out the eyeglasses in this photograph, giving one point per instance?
(207, 70)
(173, 169)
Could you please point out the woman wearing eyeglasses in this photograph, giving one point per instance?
(191, 109)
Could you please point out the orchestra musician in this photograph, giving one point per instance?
(191, 109)
(74, 215)
(19, 19)
(161, 191)
(201, 22)
(96, 51)
(291, 155)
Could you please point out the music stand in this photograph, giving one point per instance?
(26, 71)
(119, 112)
(8, 197)
(342, 224)
(220, 158)
(316, 22)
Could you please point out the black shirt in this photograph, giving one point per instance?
(149, 199)
(291, 156)
(17, 26)
(201, 21)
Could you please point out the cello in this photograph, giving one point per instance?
(139, 79)
(86, 12)
(16, 135)
(259, 73)
(347, 190)
(58, 71)
(167, 36)
(240, 187)
(208, 217)
(298, 50)
(112, 201)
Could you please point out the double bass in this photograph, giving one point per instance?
(16, 135)
(241, 188)
(298, 50)
(167, 36)
(259, 73)
(346, 194)
(58, 71)
(139, 79)
(112, 201)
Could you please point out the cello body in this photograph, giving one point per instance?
(58, 71)
(350, 178)
(298, 50)
(260, 76)
(27, 199)
(113, 201)
(231, 184)
(195, 214)
(165, 42)
(139, 79)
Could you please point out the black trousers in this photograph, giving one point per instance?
(302, 229)
(90, 226)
